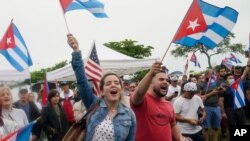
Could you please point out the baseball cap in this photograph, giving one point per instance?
(190, 86)
(23, 91)
(174, 78)
(63, 83)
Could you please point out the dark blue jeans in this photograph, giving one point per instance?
(195, 137)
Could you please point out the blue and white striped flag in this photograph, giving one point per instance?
(195, 60)
(227, 63)
(206, 24)
(93, 6)
(22, 134)
(238, 92)
(234, 59)
(13, 48)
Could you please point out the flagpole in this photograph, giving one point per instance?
(177, 31)
(166, 51)
(65, 21)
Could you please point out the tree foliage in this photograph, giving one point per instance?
(222, 48)
(39, 75)
(132, 49)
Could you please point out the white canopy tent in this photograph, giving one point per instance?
(14, 75)
(110, 61)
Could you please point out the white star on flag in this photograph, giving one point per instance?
(193, 24)
(9, 40)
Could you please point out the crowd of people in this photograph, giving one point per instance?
(158, 108)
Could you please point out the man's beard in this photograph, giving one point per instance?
(158, 92)
(222, 76)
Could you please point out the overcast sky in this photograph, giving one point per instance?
(150, 22)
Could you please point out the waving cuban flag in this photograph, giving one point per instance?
(212, 80)
(234, 59)
(239, 97)
(227, 63)
(93, 6)
(22, 134)
(13, 48)
(206, 24)
(195, 60)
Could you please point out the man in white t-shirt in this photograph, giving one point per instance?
(174, 90)
(186, 109)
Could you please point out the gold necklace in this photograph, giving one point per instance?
(113, 110)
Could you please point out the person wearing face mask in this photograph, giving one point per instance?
(233, 116)
(112, 120)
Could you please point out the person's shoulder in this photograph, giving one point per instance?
(15, 104)
(128, 110)
(179, 98)
(16, 110)
(32, 104)
(46, 109)
(197, 97)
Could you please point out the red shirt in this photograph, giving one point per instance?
(153, 118)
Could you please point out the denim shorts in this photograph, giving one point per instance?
(213, 117)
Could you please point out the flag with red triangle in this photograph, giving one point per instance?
(13, 48)
(238, 92)
(205, 24)
(195, 60)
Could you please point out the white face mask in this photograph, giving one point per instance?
(230, 81)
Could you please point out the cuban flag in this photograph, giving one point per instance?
(212, 80)
(205, 24)
(234, 59)
(227, 63)
(13, 48)
(195, 60)
(93, 6)
(239, 97)
(22, 134)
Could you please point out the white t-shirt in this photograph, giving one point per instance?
(171, 91)
(17, 115)
(67, 95)
(188, 108)
(8, 127)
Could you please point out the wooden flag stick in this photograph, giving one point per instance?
(166, 51)
(65, 21)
